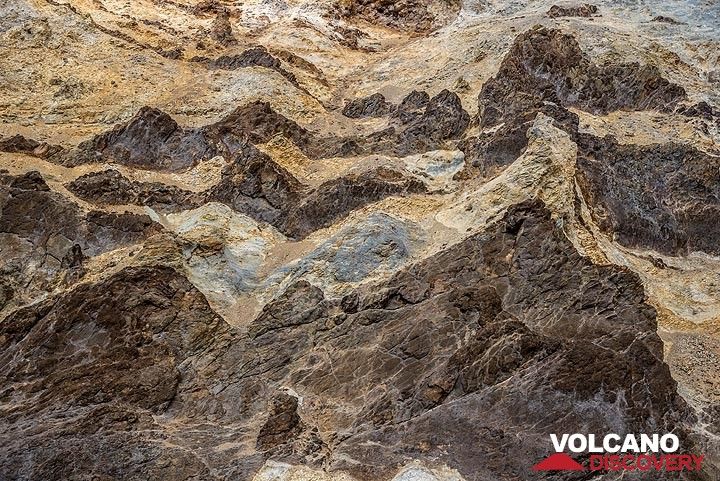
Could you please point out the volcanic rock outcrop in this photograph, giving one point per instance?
(150, 140)
(546, 71)
(418, 16)
(334, 199)
(547, 65)
(585, 10)
(255, 185)
(355, 240)
(475, 328)
(419, 124)
(663, 197)
(373, 105)
(110, 187)
(22, 145)
(39, 227)
(253, 57)
(256, 122)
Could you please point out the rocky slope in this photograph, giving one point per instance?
(355, 240)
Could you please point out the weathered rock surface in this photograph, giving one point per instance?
(221, 30)
(373, 105)
(412, 106)
(663, 197)
(253, 57)
(414, 15)
(437, 360)
(150, 140)
(146, 335)
(490, 152)
(256, 122)
(40, 227)
(548, 65)
(443, 119)
(585, 10)
(22, 145)
(110, 187)
(256, 186)
(514, 237)
(335, 199)
(547, 72)
(420, 124)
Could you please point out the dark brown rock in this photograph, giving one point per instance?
(221, 29)
(665, 19)
(257, 123)
(663, 197)
(489, 153)
(206, 7)
(419, 125)
(150, 140)
(335, 199)
(413, 15)
(41, 226)
(547, 65)
(301, 303)
(253, 57)
(153, 140)
(138, 336)
(72, 262)
(22, 145)
(373, 105)
(412, 106)
(257, 56)
(469, 358)
(545, 71)
(443, 119)
(351, 37)
(257, 186)
(585, 10)
(283, 423)
(252, 183)
(110, 187)
(701, 110)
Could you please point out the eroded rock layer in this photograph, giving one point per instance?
(474, 329)
(356, 240)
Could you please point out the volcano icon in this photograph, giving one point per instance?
(558, 462)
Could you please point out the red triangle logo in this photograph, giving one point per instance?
(558, 462)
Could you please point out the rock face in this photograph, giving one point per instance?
(474, 328)
(412, 106)
(110, 187)
(585, 10)
(335, 199)
(22, 145)
(144, 331)
(374, 105)
(150, 140)
(547, 72)
(256, 186)
(443, 119)
(221, 30)
(419, 124)
(418, 16)
(39, 227)
(253, 57)
(356, 240)
(256, 122)
(663, 197)
(548, 65)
